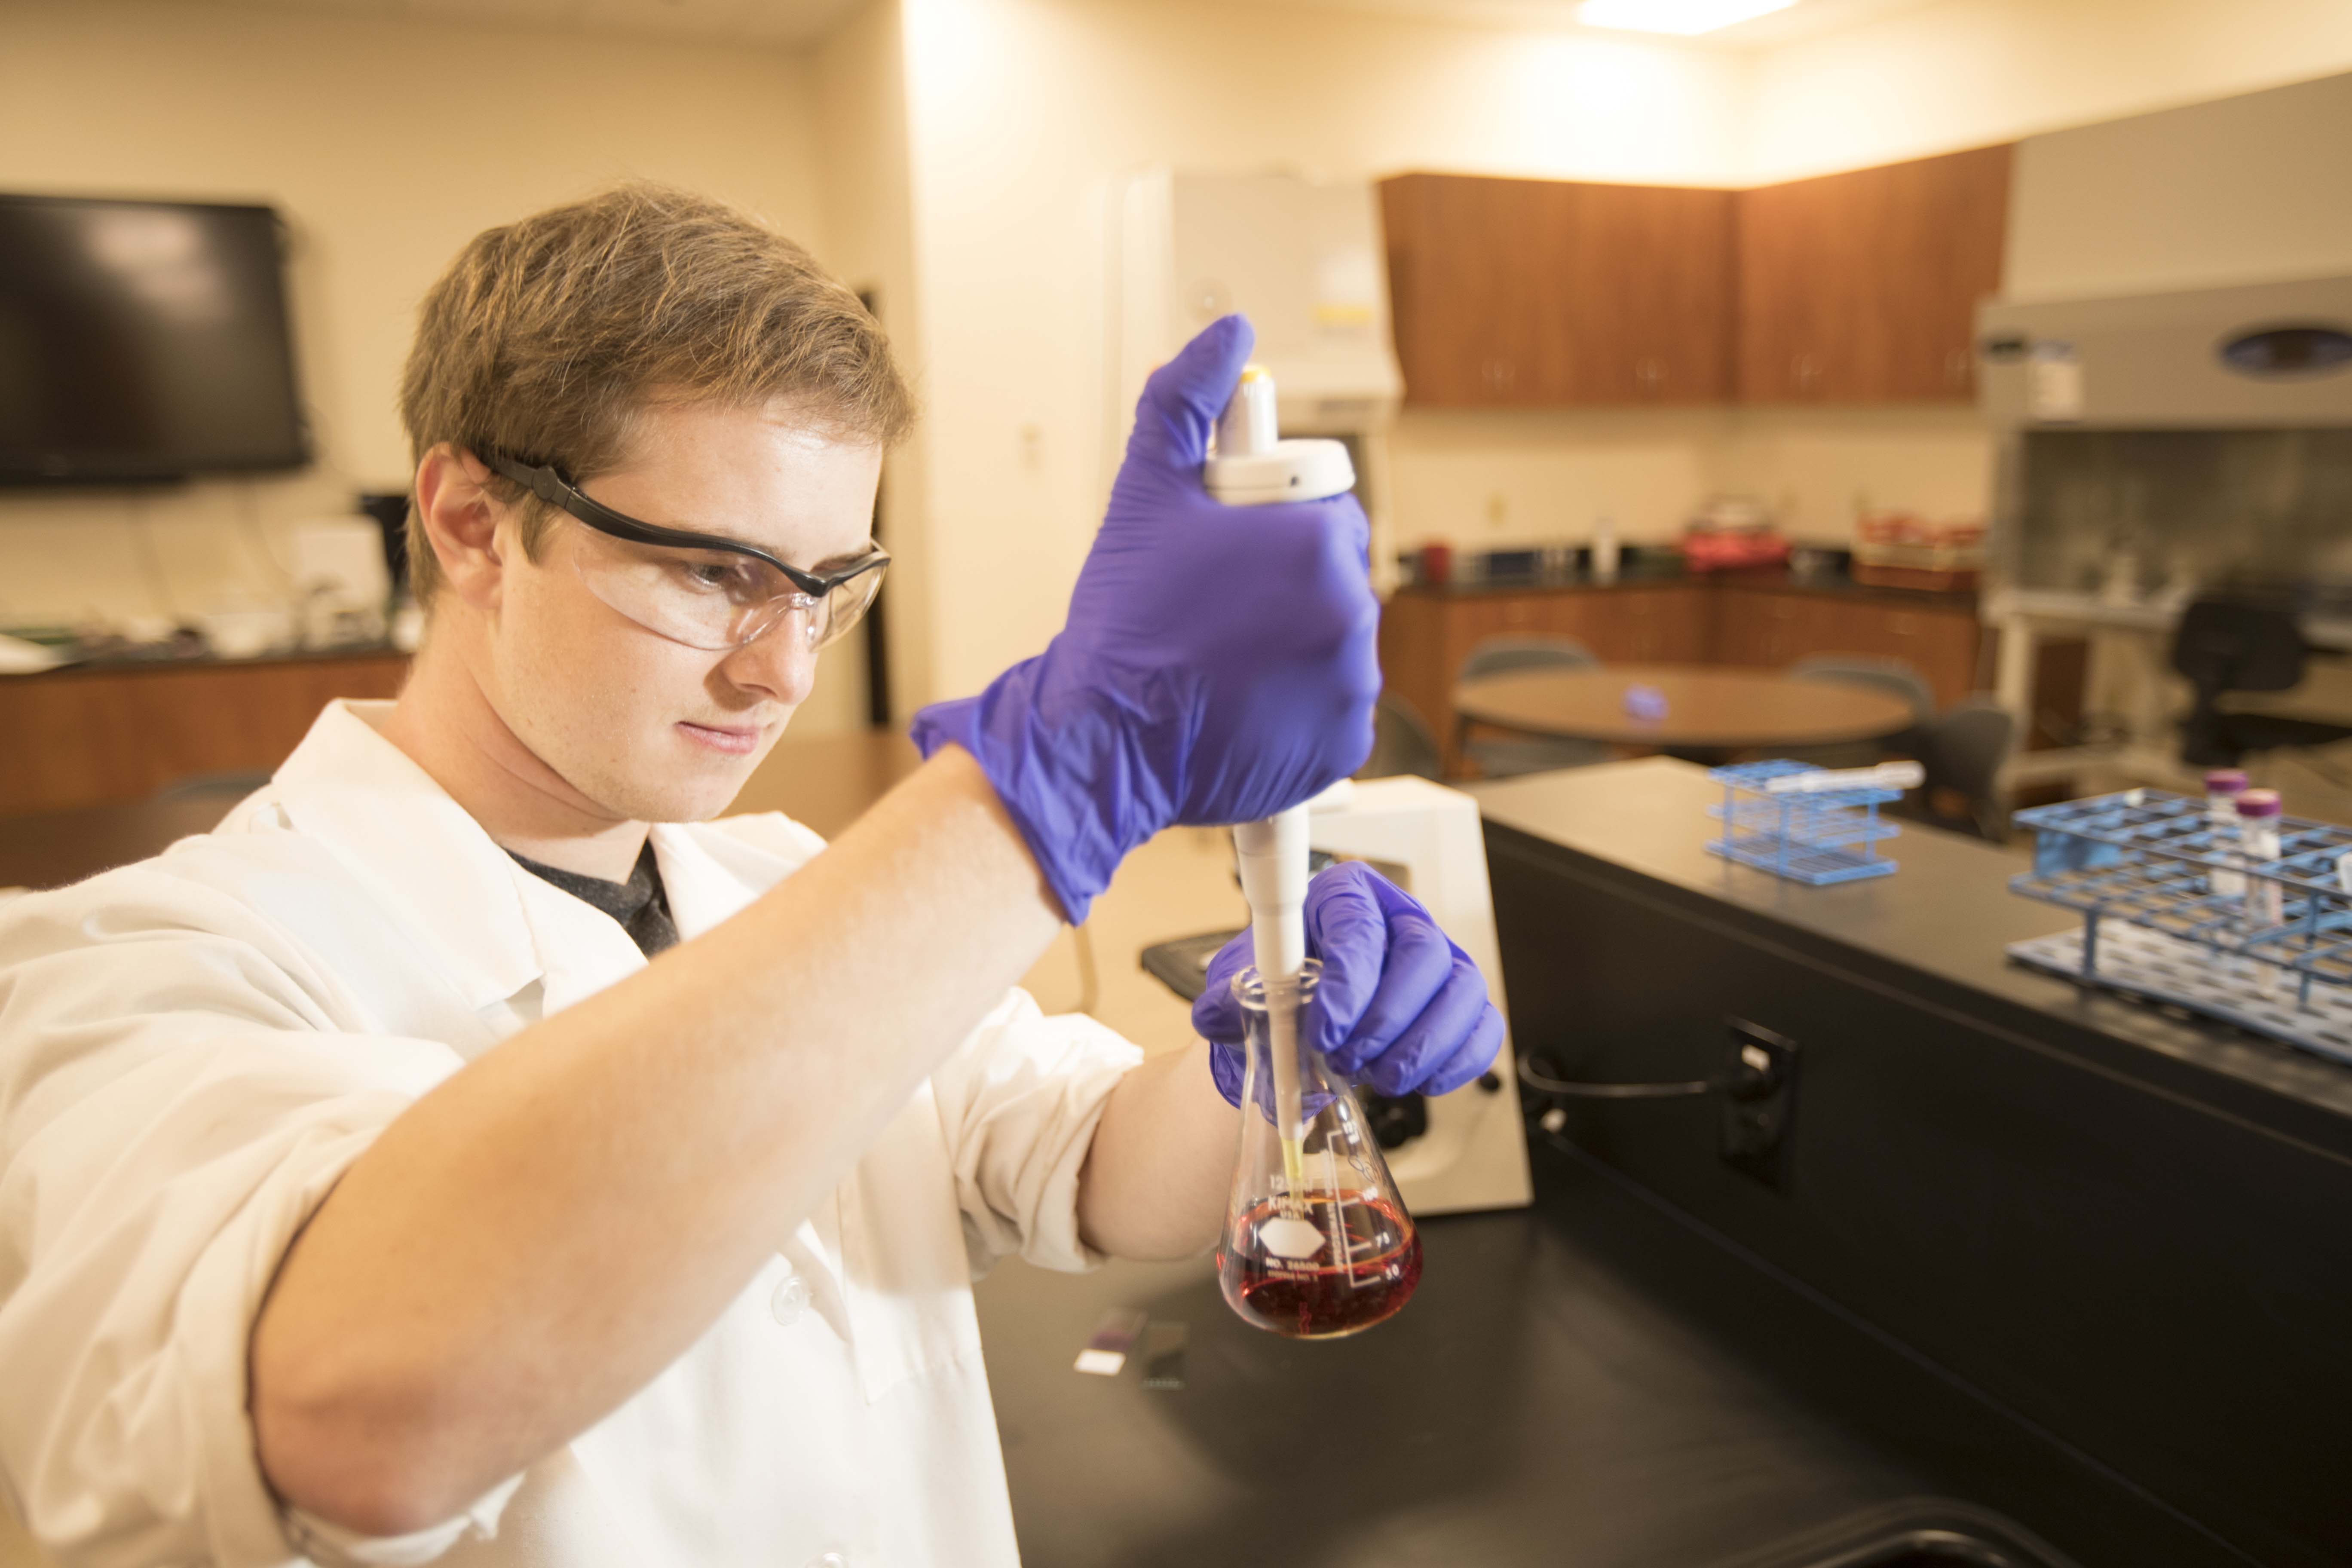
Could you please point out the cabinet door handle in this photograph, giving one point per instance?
(1650, 375)
(1956, 367)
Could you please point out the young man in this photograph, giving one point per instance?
(365, 1192)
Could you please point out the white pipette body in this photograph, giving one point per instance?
(1828, 781)
(1254, 466)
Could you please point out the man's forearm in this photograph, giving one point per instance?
(539, 1236)
(1156, 1178)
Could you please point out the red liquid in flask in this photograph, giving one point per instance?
(1329, 1292)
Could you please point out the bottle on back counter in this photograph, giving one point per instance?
(1604, 551)
(2222, 787)
(2258, 843)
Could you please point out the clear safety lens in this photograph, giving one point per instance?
(712, 599)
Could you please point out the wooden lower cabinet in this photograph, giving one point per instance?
(100, 737)
(1426, 634)
(1425, 637)
(1763, 629)
(1650, 625)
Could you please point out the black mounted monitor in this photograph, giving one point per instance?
(142, 340)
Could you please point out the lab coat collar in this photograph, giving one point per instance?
(418, 849)
(495, 928)
(582, 949)
(709, 874)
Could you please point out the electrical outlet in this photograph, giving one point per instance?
(1759, 1102)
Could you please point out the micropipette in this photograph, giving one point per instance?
(1252, 466)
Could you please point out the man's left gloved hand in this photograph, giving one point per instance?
(1400, 1008)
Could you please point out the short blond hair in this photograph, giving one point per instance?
(547, 337)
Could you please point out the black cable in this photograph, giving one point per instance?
(1544, 1083)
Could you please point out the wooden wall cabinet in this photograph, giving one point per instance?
(1467, 288)
(1854, 288)
(1547, 293)
(1862, 286)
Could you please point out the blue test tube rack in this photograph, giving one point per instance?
(2139, 867)
(1816, 838)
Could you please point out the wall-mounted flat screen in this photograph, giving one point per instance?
(142, 340)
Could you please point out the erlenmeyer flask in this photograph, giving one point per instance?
(1317, 1243)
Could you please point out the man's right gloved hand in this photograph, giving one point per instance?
(1218, 664)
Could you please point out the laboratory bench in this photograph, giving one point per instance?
(1761, 619)
(1593, 1383)
(2051, 1254)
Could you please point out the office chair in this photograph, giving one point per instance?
(2233, 645)
(1506, 757)
(1896, 677)
(1401, 742)
(1962, 755)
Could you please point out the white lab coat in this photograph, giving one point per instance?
(194, 1048)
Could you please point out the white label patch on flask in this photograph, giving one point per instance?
(1290, 1237)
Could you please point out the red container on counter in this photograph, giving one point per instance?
(1732, 548)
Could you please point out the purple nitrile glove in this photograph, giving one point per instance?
(1400, 1008)
(1218, 664)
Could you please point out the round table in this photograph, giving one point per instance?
(1708, 709)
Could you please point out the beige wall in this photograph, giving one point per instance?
(1964, 73)
(1496, 480)
(1025, 110)
(386, 144)
(956, 155)
(859, 74)
(2248, 188)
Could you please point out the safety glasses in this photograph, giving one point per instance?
(699, 589)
